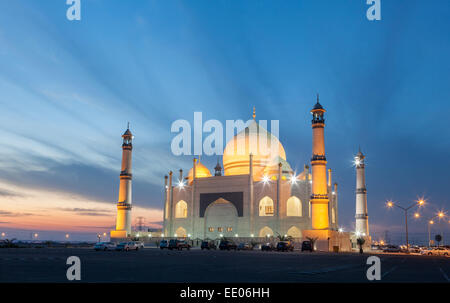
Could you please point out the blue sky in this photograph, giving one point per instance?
(67, 90)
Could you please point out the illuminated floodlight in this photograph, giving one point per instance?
(265, 179)
(416, 215)
(181, 184)
(341, 230)
(293, 179)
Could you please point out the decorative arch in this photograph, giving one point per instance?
(221, 218)
(294, 207)
(181, 209)
(263, 232)
(333, 215)
(181, 232)
(266, 207)
(294, 232)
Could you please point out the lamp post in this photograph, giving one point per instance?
(430, 222)
(419, 203)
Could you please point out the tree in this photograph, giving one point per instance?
(313, 242)
(360, 242)
(9, 243)
(438, 239)
(284, 238)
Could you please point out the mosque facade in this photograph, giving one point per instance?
(256, 193)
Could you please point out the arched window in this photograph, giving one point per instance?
(294, 232)
(266, 232)
(294, 207)
(266, 206)
(181, 209)
(333, 215)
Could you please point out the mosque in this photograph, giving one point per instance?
(253, 194)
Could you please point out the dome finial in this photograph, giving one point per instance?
(254, 113)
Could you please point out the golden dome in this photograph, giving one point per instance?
(256, 140)
(201, 171)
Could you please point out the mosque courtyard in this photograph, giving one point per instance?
(154, 265)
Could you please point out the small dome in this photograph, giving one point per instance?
(201, 171)
(127, 133)
(317, 106)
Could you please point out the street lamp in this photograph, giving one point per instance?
(419, 203)
(429, 232)
(439, 215)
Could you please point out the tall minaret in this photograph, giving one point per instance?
(123, 222)
(362, 219)
(319, 197)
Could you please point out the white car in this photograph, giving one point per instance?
(104, 246)
(436, 251)
(129, 246)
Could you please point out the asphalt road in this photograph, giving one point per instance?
(154, 265)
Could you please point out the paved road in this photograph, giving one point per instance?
(154, 265)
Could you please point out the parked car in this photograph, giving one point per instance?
(436, 251)
(172, 244)
(126, 246)
(178, 244)
(392, 248)
(267, 247)
(104, 246)
(208, 245)
(163, 244)
(285, 246)
(183, 244)
(227, 245)
(307, 245)
(244, 246)
(414, 249)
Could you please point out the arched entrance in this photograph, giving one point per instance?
(220, 219)
(294, 232)
(265, 231)
(180, 232)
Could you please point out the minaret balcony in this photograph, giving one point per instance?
(319, 158)
(123, 205)
(362, 216)
(361, 191)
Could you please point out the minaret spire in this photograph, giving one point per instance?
(319, 196)
(362, 218)
(254, 113)
(123, 220)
